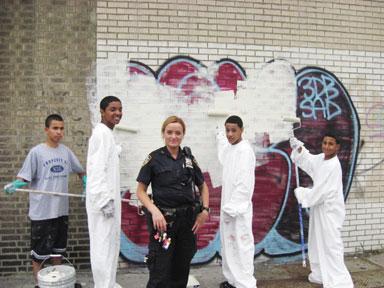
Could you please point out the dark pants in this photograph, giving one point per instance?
(169, 268)
(48, 237)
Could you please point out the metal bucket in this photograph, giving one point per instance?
(57, 276)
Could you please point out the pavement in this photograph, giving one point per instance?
(367, 271)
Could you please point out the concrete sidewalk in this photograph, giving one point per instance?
(367, 272)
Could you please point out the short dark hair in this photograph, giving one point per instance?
(106, 100)
(234, 119)
(52, 117)
(333, 134)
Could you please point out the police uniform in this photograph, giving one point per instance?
(172, 182)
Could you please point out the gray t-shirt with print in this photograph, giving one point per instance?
(48, 169)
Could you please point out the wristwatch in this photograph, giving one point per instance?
(206, 209)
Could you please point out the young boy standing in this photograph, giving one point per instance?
(47, 168)
(237, 243)
(327, 213)
(103, 201)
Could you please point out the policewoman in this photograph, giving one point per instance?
(172, 214)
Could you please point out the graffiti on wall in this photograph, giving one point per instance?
(186, 87)
(322, 104)
(375, 120)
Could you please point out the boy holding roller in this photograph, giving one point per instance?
(327, 213)
(47, 168)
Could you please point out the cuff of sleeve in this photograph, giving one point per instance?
(296, 155)
(235, 210)
(102, 203)
(25, 177)
(304, 204)
(229, 210)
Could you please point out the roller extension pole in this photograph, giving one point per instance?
(294, 120)
(56, 193)
(127, 128)
(301, 221)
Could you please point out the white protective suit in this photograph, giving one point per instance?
(327, 213)
(237, 245)
(103, 184)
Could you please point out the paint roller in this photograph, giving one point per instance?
(295, 120)
(218, 113)
(292, 119)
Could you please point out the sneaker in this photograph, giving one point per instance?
(314, 280)
(225, 284)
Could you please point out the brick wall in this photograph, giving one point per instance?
(343, 37)
(46, 50)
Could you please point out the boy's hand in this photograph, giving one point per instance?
(108, 209)
(295, 143)
(11, 187)
(84, 181)
(299, 193)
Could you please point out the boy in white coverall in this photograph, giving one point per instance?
(327, 213)
(103, 199)
(237, 245)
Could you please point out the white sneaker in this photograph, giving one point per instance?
(312, 279)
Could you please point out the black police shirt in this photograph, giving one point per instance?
(170, 178)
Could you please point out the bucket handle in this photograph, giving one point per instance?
(55, 256)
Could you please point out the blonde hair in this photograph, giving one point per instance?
(173, 119)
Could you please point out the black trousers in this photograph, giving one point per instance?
(169, 268)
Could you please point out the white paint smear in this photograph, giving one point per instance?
(261, 101)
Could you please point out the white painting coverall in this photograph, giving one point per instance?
(103, 184)
(326, 217)
(237, 244)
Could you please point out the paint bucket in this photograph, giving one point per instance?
(57, 276)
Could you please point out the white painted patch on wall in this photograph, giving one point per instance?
(268, 95)
(261, 101)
